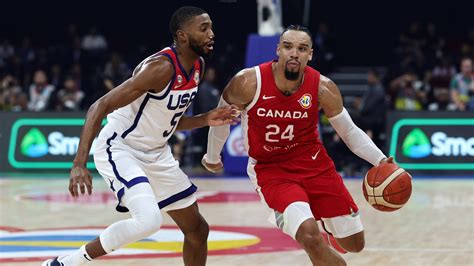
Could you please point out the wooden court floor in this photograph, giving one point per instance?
(436, 227)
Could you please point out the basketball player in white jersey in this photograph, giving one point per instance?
(132, 153)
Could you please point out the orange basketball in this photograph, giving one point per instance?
(387, 187)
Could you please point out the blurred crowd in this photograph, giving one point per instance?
(429, 71)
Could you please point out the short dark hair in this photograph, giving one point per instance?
(298, 28)
(183, 15)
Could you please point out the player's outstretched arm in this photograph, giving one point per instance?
(226, 115)
(151, 75)
(359, 143)
(238, 92)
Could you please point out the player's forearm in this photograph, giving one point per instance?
(192, 122)
(94, 117)
(216, 138)
(356, 139)
(215, 142)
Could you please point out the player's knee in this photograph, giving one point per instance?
(150, 222)
(199, 233)
(311, 241)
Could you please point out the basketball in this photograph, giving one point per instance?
(387, 187)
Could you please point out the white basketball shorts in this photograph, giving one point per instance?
(123, 167)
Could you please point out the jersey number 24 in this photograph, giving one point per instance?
(273, 133)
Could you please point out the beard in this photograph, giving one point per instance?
(289, 75)
(199, 49)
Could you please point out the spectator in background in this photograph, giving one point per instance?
(105, 86)
(70, 97)
(94, 46)
(20, 102)
(40, 92)
(371, 108)
(94, 42)
(442, 101)
(462, 86)
(76, 73)
(116, 69)
(406, 92)
(206, 99)
(368, 113)
(9, 89)
(56, 77)
(444, 70)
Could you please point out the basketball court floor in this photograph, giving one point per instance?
(39, 220)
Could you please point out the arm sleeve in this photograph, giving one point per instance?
(356, 139)
(216, 139)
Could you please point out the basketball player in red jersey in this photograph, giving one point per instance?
(288, 164)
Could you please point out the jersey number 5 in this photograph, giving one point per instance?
(173, 123)
(274, 131)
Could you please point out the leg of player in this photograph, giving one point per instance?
(146, 220)
(195, 230)
(354, 243)
(309, 237)
(298, 222)
(347, 230)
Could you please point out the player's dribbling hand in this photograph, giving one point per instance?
(81, 177)
(212, 167)
(223, 116)
(386, 160)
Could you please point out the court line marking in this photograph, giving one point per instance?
(385, 249)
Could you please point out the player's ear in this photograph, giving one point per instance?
(278, 50)
(311, 55)
(181, 36)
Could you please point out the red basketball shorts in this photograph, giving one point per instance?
(325, 192)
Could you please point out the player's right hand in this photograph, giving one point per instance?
(81, 177)
(212, 167)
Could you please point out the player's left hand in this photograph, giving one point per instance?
(386, 160)
(223, 116)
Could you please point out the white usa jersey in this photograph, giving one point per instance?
(148, 122)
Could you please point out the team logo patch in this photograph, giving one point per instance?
(17, 245)
(180, 79)
(196, 76)
(305, 101)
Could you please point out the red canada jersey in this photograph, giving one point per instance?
(281, 128)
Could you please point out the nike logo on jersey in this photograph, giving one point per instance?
(265, 97)
(315, 156)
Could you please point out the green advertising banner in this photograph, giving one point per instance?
(40, 141)
(432, 141)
